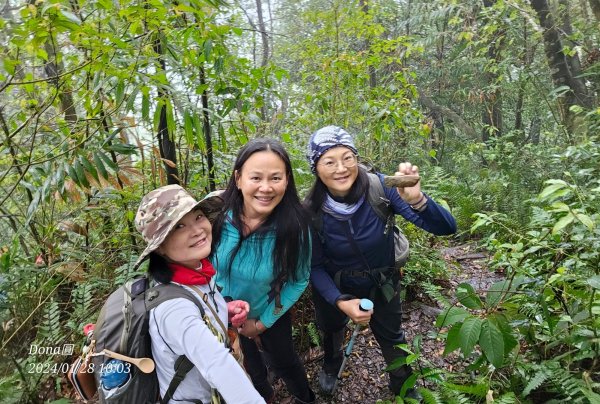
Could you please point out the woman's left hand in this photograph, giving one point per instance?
(251, 328)
(237, 311)
(410, 195)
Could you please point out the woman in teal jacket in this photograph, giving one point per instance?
(262, 255)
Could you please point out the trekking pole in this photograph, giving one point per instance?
(365, 305)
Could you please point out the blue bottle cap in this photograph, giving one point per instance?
(114, 373)
(366, 304)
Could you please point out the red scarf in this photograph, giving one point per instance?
(187, 276)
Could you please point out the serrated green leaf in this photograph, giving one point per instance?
(563, 222)
(469, 335)
(492, 343)
(496, 291)
(468, 297)
(452, 339)
(450, 316)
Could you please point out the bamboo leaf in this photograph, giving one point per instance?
(100, 166)
(89, 167)
(108, 162)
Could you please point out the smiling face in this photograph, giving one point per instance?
(189, 241)
(338, 169)
(262, 180)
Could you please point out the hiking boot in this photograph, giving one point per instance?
(311, 400)
(327, 382)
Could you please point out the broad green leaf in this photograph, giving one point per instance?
(497, 291)
(468, 297)
(586, 220)
(549, 190)
(451, 316)
(452, 339)
(492, 343)
(469, 334)
(563, 222)
(594, 282)
(500, 321)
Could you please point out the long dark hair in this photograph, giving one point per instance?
(317, 194)
(158, 268)
(288, 219)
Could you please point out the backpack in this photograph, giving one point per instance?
(381, 205)
(123, 327)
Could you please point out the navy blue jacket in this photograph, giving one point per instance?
(335, 252)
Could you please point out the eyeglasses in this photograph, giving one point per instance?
(347, 161)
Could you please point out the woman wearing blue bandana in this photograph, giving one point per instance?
(354, 245)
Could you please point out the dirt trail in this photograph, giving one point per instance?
(364, 381)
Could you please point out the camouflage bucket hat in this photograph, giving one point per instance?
(161, 209)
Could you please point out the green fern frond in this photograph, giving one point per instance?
(478, 390)
(430, 397)
(434, 292)
(537, 380)
(313, 334)
(508, 398)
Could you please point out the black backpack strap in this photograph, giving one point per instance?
(160, 294)
(182, 367)
(379, 203)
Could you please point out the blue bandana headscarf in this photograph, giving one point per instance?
(326, 138)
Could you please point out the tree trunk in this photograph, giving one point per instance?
(166, 145)
(573, 61)
(447, 112)
(206, 128)
(265, 54)
(561, 74)
(364, 7)
(595, 6)
(492, 101)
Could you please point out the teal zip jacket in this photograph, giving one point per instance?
(251, 273)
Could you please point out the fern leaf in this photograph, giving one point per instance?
(535, 382)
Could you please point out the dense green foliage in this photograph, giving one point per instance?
(496, 101)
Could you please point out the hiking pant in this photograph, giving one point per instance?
(386, 325)
(279, 354)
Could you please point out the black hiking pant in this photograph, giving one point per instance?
(279, 354)
(386, 325)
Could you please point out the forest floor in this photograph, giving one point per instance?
(364, 380)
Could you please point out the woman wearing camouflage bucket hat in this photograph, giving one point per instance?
(355, 256)
(178, 234)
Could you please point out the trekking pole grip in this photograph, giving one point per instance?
(365, 305)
